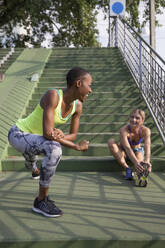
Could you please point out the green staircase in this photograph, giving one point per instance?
(11, 59)
(101, 209)
(114, 96)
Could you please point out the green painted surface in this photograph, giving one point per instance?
(100, 207)
(17, 88)
(30, 61)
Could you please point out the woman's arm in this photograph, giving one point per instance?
(81, 146)
(67, 139)
(147, 147)
(49, 102)
(75, 122)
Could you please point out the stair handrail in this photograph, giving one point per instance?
(147, 68)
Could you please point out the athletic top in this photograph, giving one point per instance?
(33, 122)
(132, 142)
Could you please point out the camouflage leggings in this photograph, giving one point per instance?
(31, 145)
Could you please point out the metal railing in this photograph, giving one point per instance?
(147, 68)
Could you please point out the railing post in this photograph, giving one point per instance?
(124, 40)
(116, 32)
(109, 27)
(140, 63)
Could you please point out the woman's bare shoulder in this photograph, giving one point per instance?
(145, 131)
(49, 98)
(124, 129)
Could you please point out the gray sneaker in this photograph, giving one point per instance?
(46, 207)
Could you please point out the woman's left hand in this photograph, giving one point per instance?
(139, 168)
(57, 134)
(149, 166)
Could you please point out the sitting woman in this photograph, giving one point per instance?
(131, 137)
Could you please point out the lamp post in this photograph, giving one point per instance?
(152, 24)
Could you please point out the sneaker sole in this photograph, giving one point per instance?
(129, 178)
(35, 178)
(36, 210)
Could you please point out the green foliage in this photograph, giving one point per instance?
(77, 21)
(70, 23)
(133, 10)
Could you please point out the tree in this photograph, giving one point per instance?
(70, 23)
(77, 21)
(132, 8)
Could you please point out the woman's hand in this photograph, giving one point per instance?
(149, 166)
(83, 145)
(139, 168)
(57, 134)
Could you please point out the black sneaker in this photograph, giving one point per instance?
(46, 207)
(35, 175)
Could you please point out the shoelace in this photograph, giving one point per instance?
(50, 203)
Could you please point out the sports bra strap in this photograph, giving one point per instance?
(133, 143)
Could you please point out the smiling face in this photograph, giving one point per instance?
(84, 87)
(136, 120)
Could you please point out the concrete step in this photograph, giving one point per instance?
(111, 96)
(102, 127)
(108, 70)
(97, 138)
(71, 163)
(99, 95)
(103, 109)
(116, 117)
(112, 86)
(108, 82)
(121, 73)
(97, 78)
(92, 65)
(83, 50)
(107, 118)
(98, 150)
(79, 163)
(93, 102)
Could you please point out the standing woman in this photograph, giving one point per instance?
(131, 137)
(37, 134)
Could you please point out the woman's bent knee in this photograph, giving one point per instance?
(56, 153)
(52, 158)
(111, 143)
(52, 148)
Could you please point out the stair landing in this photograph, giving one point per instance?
(101, 209)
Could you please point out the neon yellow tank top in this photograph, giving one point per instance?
(33, 122)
